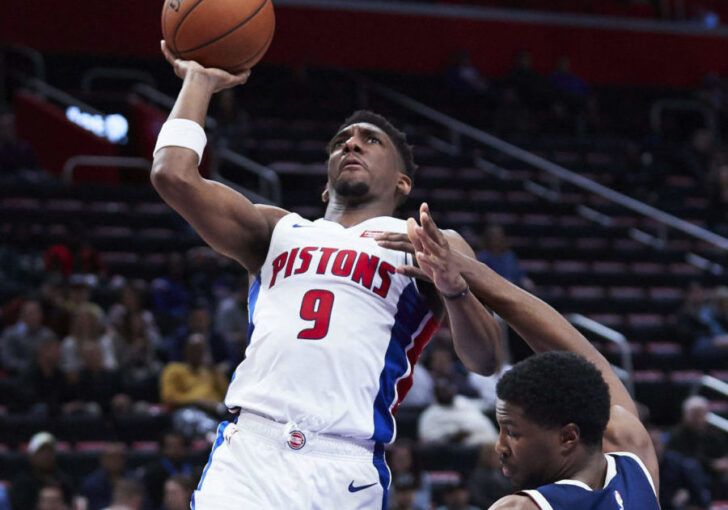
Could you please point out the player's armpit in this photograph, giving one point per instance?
(225, 219)
(626, 433)
(514, 502)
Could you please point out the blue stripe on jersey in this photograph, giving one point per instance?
(252, 300)
(218, 441)
(411, 311)
(384, 475)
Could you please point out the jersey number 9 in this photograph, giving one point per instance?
(316, 306)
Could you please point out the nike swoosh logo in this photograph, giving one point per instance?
(296, 225)
(360, 488)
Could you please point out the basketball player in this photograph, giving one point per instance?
(334, 330)
(570, 437)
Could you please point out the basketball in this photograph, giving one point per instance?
(228, 34)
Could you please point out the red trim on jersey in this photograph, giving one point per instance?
(413, 354)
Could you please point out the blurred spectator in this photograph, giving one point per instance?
(15, 154)
(169, 293)
(691, 324)
(717, 190)
(43, 388)
(130, 303)
(683, 483)
(233, 122)
(170, 463)
(712, 349)
(442, 363)
(712, 92)
(194, 385)
(694, 437)
(564, 80)
(531, 86)
(127, 495)
(51, 498)
(405, 473)
(137, 357)
(26, 487)
(231, 319)
(19, 343)
(75, 256)
(511, 116)
(454, 419)
(96, 386)
(20, 261)
(463, 79)
(485, 385)
(87, 325)
(457, 497)
(694, 158)
(497, 255)
(178, 492)
(98, 487)
(404, 495)
(199, 321)
(487, 483)
(5, 498)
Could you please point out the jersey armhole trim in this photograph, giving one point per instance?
(641, 465)
(538, 498)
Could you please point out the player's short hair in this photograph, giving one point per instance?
(399, 138)
(557, 388)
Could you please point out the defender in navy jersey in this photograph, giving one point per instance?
(570, 437)
(335, 328)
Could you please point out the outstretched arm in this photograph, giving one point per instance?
(545, 329)
(476, 334)
(224, 218)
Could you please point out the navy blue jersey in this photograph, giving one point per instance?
(628, 486)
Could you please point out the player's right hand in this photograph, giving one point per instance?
(218, 79)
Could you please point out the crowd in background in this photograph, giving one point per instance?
(76, 340)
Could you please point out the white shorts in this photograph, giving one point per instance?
(258, 464)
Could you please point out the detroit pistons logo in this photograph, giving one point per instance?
(620, 502)
(296, 440)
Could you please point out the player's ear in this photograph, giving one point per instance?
(325, 195)
(404, 184)
(569, 436)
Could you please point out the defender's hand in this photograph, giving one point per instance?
(217, 78)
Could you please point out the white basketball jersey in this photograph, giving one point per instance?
(334, 331)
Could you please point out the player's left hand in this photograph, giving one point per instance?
(436, 260)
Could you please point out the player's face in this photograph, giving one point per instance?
(363, 163)
(528, 452)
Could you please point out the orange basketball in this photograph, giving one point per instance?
(229, 34)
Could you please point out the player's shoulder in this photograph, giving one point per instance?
(514, 502)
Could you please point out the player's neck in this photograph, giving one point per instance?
(590, 468)
(348, 214)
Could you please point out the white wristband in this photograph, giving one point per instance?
(182, 133)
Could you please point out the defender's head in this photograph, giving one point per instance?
(550, 407)
(369, 159)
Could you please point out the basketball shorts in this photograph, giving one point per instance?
(258, 464)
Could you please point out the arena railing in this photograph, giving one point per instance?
(625, 371)
(459, 130)
(117, 74)
(715, 384)
(269, 184)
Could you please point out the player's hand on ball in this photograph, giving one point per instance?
(219, 79)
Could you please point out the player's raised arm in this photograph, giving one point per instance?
(225, 219)
(475, 332)
(545, 329)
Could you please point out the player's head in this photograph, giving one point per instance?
(551, 408)
(369, 158)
